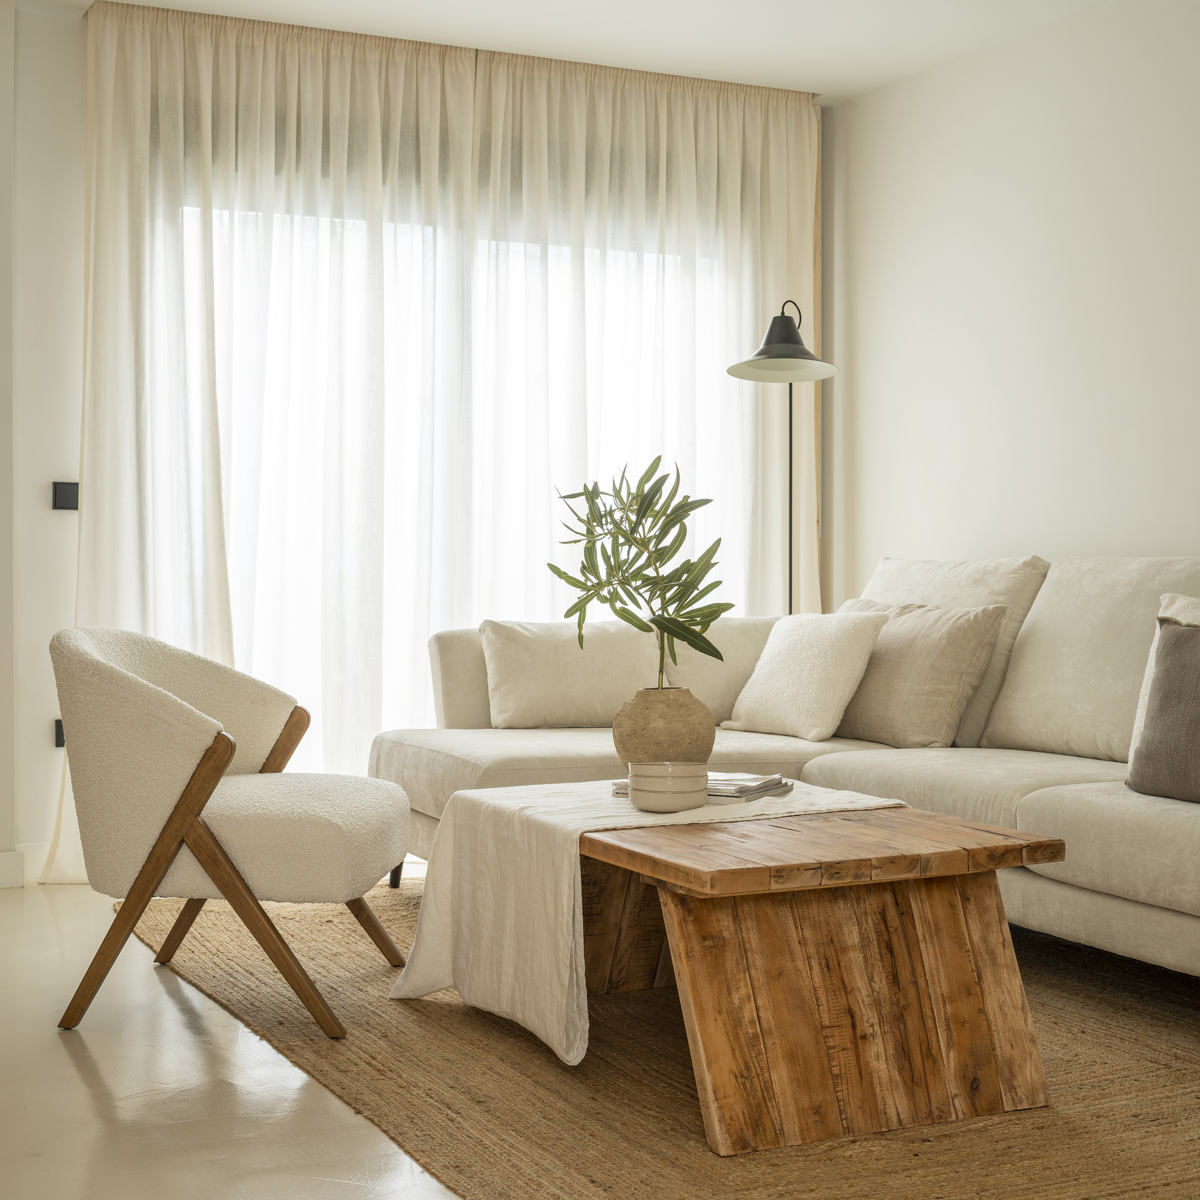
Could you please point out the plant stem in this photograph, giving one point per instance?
(656, 591)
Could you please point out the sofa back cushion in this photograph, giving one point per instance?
(460, 682)
(1011, 582)
(460, 670)
(718, 682)
(539, 676)
(1078, 662)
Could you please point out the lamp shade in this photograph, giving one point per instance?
(783, 357)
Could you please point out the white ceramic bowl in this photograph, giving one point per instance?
(668, 770)
(652, 784)
(668, 802)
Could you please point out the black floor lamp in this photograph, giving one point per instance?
(784, 358)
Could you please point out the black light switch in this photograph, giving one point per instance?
(66, 495)
(60, 739)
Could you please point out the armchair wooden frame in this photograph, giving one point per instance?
(184, 827)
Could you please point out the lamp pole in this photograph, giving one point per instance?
(791, 499)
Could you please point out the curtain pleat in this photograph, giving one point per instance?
(358, 307)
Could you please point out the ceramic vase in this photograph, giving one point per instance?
(663, 725)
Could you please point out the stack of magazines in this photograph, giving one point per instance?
(730, 785)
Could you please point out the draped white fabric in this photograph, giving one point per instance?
(358, 307)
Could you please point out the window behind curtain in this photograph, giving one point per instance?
(358, 307)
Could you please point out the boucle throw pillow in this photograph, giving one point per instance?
(923, 671)
(539, 677)
(808, 670)
(1165, 759)
(717, 682)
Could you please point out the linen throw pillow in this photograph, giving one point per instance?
(808, 670)
(925, 667)
(1012, 582)
(1165, 759)
(539, 677)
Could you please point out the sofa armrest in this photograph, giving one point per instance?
(460, 682)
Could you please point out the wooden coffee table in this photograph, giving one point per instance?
(839, 974)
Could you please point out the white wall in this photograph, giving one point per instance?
(1012, 269)
(10, 859)
(47, 290)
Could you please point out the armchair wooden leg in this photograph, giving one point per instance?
(370, 922)
(166, 846)
(116, 937)
(394, 876)
(183, 922)
(212, 857)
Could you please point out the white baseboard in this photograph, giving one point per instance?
(12, 869)
(35, 859)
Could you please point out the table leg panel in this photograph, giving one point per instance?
(604, 889)
(623, 937)
(640, 938)
(729, 1058)
(786, 1004)
(954, 987)
(1014, 1041)
(894, 961)
(849, 1010)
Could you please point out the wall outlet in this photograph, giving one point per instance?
(64, 495)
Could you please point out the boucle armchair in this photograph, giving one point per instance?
(175, 764)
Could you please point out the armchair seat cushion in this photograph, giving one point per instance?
(300, 838)
(432, 764)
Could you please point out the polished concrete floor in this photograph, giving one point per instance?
(159, 1092)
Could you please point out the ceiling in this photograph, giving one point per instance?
(836, 48)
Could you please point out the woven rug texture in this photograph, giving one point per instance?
(490, 1111)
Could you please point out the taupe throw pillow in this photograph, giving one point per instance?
(925, 667)
(1165, 760)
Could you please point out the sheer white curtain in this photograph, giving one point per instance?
(357, 308)
(632, 234)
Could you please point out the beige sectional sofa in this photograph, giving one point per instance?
(1043, 746)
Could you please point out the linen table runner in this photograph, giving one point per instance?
(502, 915)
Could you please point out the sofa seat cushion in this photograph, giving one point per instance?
(1120, 842)
(300, 838)
(432, 764)
(976, 785)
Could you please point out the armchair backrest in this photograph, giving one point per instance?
(138, 716)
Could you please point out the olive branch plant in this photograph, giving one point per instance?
(630, 536)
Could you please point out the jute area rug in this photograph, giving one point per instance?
(491, 1112)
